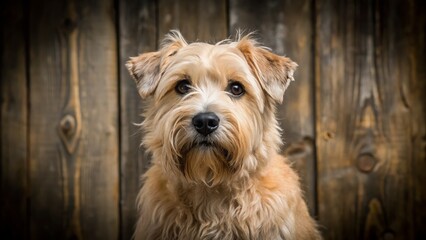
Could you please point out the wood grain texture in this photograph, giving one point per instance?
(370, 119)
(74, 121)
(138, 34)
(13, 122)
(67, 108)
(286, 27)
(197, 20)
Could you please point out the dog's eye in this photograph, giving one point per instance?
(236, 89)
(183, 86)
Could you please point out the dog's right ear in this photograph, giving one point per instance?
(146, 69)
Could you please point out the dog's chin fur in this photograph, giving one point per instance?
(205, 163)
(230, 184)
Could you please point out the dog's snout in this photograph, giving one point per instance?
(205, 123)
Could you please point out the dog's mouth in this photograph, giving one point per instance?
(206, 145)
(211, 145)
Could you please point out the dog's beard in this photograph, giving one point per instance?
(205, 162)
(209, 160)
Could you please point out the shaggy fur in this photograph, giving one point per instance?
(232, 183)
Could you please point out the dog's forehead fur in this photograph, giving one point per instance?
(222, 62)
(205, 64)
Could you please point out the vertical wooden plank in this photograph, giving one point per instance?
(286, 27)
(47, 197)
(73, 129)
(99, 101)
(13, 122)
(370, 119)
(138, 33)
(197, 20)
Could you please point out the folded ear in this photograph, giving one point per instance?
(273, 72)
(146, 68)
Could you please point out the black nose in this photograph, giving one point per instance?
(205, 123)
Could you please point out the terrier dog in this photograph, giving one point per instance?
(211, 129)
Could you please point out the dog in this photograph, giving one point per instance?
(210, 127)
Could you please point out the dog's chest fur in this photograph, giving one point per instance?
(220, 213)
(246, 210)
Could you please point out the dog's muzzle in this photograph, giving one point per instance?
(205, 123)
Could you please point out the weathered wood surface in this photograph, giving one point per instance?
(370, 86)
(197, 20)
(138, 33)
(74, 120)
(13, 121)
(286, 28)
(353, 121)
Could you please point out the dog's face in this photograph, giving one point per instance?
(210, 110)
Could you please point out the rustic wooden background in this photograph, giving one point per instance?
(354, 121)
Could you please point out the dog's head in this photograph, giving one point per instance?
(210, 108)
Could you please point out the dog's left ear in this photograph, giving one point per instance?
(273, 72)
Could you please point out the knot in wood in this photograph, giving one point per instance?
(327, 135)
(366, 162)
(296, 150)
(67, 125)
(69, 24)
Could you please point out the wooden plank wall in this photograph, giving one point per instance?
(353, 121)
(73, 123)
(370, 119)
